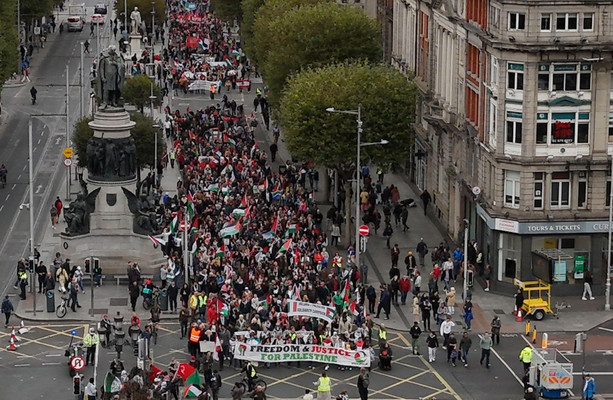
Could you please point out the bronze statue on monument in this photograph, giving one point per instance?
(111, 77)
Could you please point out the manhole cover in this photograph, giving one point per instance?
(498, 311)
(118, 302)
(99, 311)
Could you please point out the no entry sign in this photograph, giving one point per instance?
(364, 230)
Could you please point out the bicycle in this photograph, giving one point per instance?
(153, 327)
(154, 298)
(62, 308)
(256, 382)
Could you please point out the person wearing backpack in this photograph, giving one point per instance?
(363, 382)
(7, 310)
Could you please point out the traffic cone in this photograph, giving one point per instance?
(12, 346)
(22, 328)
(519, 316)
(515, 310)
(14, 336)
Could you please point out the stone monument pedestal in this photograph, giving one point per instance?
(135, 45)
(111, 236)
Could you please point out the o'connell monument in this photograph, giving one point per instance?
(109, 220)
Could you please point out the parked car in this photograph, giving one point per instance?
(74, 24)
(97, 19)
(100, 9)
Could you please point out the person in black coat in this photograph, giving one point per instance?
(384, 302)
(134, 293)
(363, 382)
(173, 292)
(519, 300)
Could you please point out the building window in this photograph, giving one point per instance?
(560, 190)
(610, 126)
(582, 190)
(515, 76)
(494, 71)
(565, 77)
(608, 192)
(517, 21)
(562, 128)
(538, 190)
(493, 123)
(545, 22)
(494, 16)
(514, 127)
(588, 21)
(511, 189)
(566, 22)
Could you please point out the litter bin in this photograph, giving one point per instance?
(50, 301)
(163, 300)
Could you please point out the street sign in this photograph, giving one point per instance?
(183, 226)
(364, 230)
(77, 363)
(67, 152)
(68, 162)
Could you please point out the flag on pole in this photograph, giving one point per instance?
(353, 307)
(268, 236)
(195, 225)
(228, 139)
(174, 225)
(157, 241)
(239, 212)
(312, 198)
(192, 391)
(213, 187)
(230, 230)
(221, 251)
(291, 229)
(285, 246)
(345, 293)
(244, 201)
(112, 384)
(190, 203)
(275, 224)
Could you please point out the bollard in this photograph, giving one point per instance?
(534, 333)
(544, 341)
(527, 328)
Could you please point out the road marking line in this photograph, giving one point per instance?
(22, 365)
(39, 141)
(7, 196)
(50, 363)
(14, 184)
(595, 373)
(24, 167)
(1, 208)
(53, 355)
(440, 379)
(42, 133)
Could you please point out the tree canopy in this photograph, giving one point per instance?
(137, 91)
(9, 54)
(249, 9)
(143, 134)
(34, 9)
(387, 101)
(227, 10)
(312, 37)
(261, 27)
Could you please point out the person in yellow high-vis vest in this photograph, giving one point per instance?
(324, 386)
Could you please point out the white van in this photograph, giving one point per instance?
(74, 24)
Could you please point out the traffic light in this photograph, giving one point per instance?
(469, 278)
(31, 264)
(87, 266)
(76, 383)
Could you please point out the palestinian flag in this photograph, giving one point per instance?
(112, 384)
(292, 228)
(256, 189)
(192, 391)
(213, 187)
(228, 139)
(229, 63)
(225, 311)
(268, 236)
(345, 294)
(174, 225)
(157, 241)
(244, 201)
(312, 198)
(285, 246)
(190, 203)
(230, 230)
(248, 213)
(221, 251)
(195, 225)
(225, 190)
(239, 212)
(191, 135)
(353, 307)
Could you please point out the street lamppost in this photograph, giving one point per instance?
(358, 113)
(155, 154)
(607, 297)
(465, 286)
(152, 26)
(30, 207)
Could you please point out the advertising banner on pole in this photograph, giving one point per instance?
(302, 308)
(302, 352)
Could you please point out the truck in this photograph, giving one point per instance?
(77, 10)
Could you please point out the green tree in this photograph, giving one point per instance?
(249, 8)
(145, 7)
(387, 101)
(261, 27)
(227, 10)
(311, 36)
(143, 134)
(34, 9)
(137, 91)
(9, 54)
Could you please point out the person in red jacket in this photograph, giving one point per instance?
(405, 287)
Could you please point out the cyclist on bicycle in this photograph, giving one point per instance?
(148, 289)
(3, 172)
(252, 374)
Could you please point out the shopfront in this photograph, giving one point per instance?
(559, 251)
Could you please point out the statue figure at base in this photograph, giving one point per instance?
(135, 20)
(111, 75)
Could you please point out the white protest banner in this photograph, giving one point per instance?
(206, 346)
(302, 352)
(314, 310)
